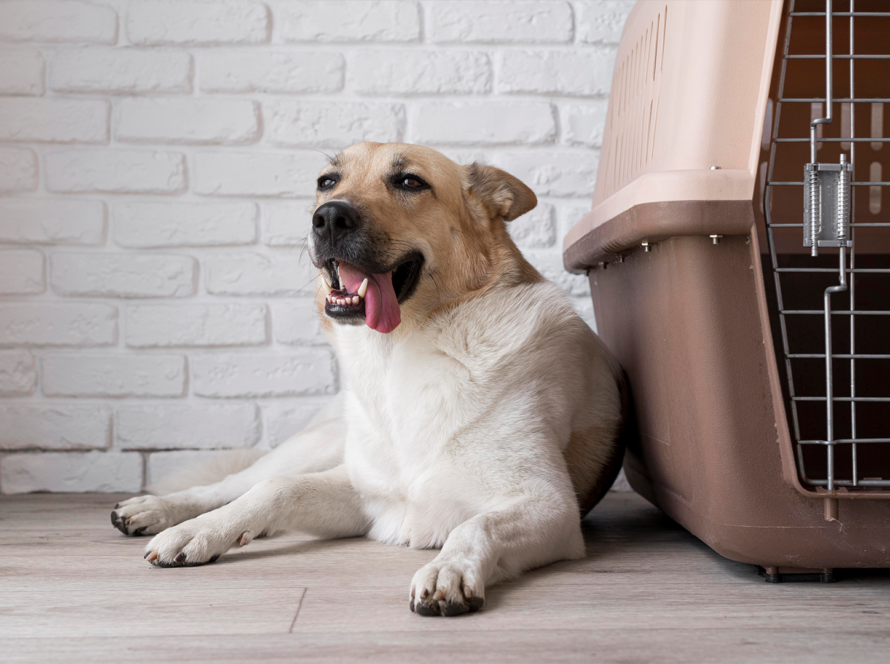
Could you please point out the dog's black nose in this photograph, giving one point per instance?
(334, 220)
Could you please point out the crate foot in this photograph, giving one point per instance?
(773, 574)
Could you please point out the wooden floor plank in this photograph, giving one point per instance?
(74, 589)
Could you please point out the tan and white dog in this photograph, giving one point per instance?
(478, 413)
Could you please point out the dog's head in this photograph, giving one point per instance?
(400, 230)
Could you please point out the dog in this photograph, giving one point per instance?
(479, 414)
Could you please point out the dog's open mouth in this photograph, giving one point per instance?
(358, 295)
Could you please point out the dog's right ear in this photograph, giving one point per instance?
(500, 193)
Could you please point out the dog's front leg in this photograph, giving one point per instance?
(323, 504)
(528, 532)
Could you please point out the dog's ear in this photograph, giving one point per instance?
(503, 195)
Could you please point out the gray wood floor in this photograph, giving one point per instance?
(73, 589)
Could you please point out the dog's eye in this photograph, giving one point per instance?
(327, 181)
(410, 183)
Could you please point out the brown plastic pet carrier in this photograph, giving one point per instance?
(738, 253)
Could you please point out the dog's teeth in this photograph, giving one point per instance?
(339, 278)
(363, 288)
(355, 299)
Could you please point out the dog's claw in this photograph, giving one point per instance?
(180, 558)
(454, 609)
(424, 609)
(119, 523)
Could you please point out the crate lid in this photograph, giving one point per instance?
(684, 126)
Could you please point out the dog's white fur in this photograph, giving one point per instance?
(449, 434)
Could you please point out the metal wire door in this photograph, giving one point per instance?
(834, 209)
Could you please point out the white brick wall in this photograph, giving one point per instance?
(157, 168)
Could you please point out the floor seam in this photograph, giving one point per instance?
(297, 614)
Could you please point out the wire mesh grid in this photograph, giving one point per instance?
(846, 462)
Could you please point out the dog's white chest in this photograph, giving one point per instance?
(405, 405)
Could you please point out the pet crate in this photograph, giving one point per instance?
(738, 254)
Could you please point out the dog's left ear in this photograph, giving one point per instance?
(503, 195)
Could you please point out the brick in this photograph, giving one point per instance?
(21, 272)
(349, 20)
(327, 125)
(263, 375)
(535, 228)
(57, 324)
(430, 72)
(486, 122)
(190, 121)
(68, 21)
(152, 326)
(197, 23)
(152, 224)
(161, 465)
(116, 171)
(297, 322)
(568, 214)
(257, 173)
(21, 72)
(571, 73)
(201, 426)
(549, 264)
(287, 224)
(83, 375)
(583, 306)
(18, 169)
(281, 72)
(117, 70)
(18, 376)
(602, 21)
(258, 274)
(502, 21)
(51, 221)
(54, 427)
(54, 120)
(583, 124)
(71, 472)
(553, 173)
(283, 419)
(123, 275)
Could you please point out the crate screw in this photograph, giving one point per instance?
(716, 239)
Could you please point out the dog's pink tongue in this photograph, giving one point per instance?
(381, 304)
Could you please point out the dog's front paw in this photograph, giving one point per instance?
(195, 542)
(447, 588)
(145, 515)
